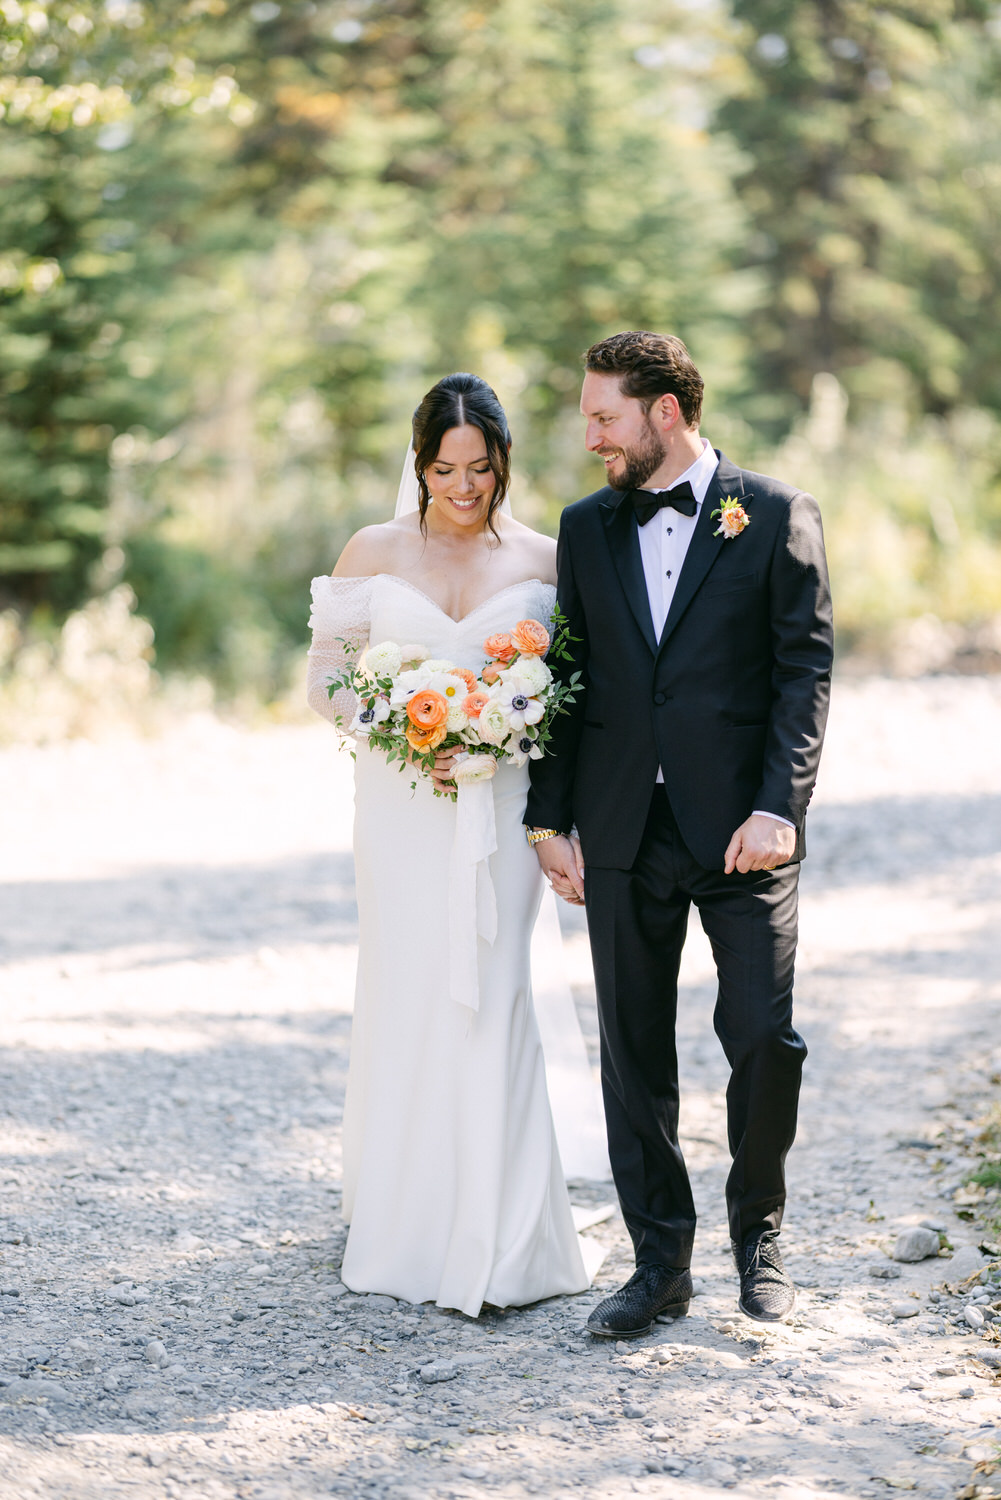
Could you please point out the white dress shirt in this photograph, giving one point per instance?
(664, 543)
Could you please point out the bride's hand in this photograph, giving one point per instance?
(441, 771)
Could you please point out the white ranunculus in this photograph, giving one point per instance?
(383, 660)
(532, 671)
(472, 768)
(367, 719)
(437, 665)
(458, 720)
(414, 655)
(493, 725)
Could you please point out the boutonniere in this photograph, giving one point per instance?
(732, 518)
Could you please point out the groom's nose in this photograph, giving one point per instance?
(592, 437)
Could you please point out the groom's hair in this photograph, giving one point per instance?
(650, 365)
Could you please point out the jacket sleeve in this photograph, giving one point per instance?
(802, 654)
(550, 797)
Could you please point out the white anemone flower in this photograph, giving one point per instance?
(369, 718)
(520, 708)
(524, 747)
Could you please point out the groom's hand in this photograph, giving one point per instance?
(563, 866)
(759, 844)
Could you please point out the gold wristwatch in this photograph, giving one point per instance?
(539, 835)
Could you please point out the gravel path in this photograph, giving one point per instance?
(176, 956)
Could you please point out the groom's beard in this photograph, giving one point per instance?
(640, 462)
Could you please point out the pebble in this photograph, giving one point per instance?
(156, 1353)
(905, 1309)
(886, 1272)
(973, 1316)
(34, 1387)
(916, 1244)
(634, 1413)
(965, 1263)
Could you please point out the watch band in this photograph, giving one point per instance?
(539, 835)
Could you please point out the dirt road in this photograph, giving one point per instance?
(176, 957)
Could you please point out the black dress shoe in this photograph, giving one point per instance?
(630, 1312)
(766, 1290)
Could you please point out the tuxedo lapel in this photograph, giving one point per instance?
(623, 540)
(704, 547)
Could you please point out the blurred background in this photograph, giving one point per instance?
(238, 241)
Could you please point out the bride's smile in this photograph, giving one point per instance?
(460, 481)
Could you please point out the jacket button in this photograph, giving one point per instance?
(660, 699)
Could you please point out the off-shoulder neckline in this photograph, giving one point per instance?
(395, 578)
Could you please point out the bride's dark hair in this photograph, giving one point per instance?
(462, 401)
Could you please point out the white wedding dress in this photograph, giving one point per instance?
(453, 1184)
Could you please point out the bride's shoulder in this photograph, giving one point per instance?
(538, 552)
(374, 549)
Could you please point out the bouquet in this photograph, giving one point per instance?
(411, 705)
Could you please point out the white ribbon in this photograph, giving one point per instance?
(472, 903)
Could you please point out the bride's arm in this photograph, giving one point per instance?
(339, 621)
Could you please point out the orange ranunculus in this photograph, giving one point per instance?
(425, 739)
(467, 676)
(490, 674)
(500, 647)
(427, 709)
(530, 638)
(474, 705)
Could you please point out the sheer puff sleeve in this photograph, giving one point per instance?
(340, 614)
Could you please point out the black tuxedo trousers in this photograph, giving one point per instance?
(637, 920)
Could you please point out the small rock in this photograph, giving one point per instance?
(916, 1244)
(110, 1382)
(905, 1309)
(156, 1353)
(887, 1272)
(378, 1303)
(37, 1387)
(991, 1356)
(122, 1294)
(437, 1371)
(979, 1453)
(833, 1399)
(663, 1356)
(187, 1244)
(634, 1413)
(621, 1347)
(973, 1316)
(964, 1264)
(936, 1224)
(473, 1473)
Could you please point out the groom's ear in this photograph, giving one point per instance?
(666, 412)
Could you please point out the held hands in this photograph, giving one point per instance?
(563, 866)
(759, 844)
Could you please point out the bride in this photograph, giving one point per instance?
(453, 1184)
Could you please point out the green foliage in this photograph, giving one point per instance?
(858, 123)
(238, 240)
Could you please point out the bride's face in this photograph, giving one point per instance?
(460, 480)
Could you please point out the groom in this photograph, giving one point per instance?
(699, 598)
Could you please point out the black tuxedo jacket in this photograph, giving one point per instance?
(731, 701)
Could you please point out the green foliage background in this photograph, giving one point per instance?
(239, 240)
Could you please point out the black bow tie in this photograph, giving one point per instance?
(646, 504)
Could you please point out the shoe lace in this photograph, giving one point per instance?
(763, 1253)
